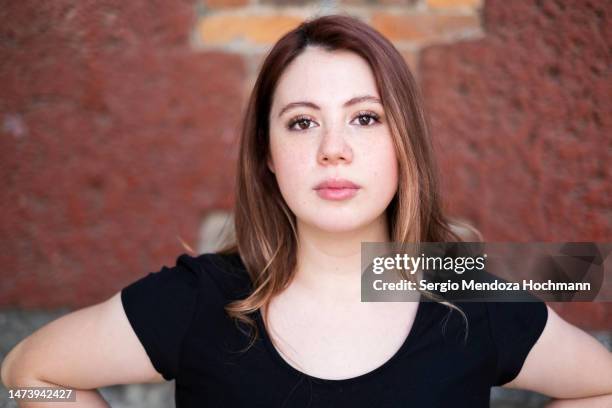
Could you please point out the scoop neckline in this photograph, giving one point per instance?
(408, 340)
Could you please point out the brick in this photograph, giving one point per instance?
(411, 58)
(519, 120)
(585, 315)
(287, 2)
(216, 4)
(379, 2)
(397, 2)
(253, 62)
(127, 124)
(422, 27)
(440, 4)
(261, 30)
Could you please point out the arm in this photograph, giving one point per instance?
(567, 363)
(600, 401)
(84, 398)
(86, 349)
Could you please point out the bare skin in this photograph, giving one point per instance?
(84, 350)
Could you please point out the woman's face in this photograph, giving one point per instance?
(326, 122)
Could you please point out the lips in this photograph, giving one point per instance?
(336, 189)
(336, 184)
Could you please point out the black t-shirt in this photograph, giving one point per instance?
(177, 313)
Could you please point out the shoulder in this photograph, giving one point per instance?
(226, 272)
(563, 353)
(162, 306)
(514, 329)
(504, 331)
(216, 277)
(517, 318)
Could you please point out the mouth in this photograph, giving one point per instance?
(336, 189)
(336, 184)
(336, 194)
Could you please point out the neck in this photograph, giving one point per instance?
(329, 263)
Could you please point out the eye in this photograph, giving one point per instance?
(368, 118)
(303, 123)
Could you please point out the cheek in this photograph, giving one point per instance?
(289, 167)
(389, 177)
(384, 167)
(392, 167)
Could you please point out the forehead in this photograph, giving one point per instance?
(325, 76)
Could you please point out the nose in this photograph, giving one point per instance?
(334, 148)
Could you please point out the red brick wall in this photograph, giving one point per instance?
(115, 132)
(119, 122)
(523, 126)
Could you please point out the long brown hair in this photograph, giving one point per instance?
(264, 226)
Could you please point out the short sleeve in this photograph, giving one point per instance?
(515, 328)
(160, 307)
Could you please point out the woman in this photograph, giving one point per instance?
(334, 152)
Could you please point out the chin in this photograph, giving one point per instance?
(337, 223)
(338, 228)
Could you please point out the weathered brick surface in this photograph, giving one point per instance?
(522, 125)
(586, 315)
(412, 59)
(445, 4)
(221, 29)
(422, 26)
(379, 3)
(220, 4)
(114, 134)
(288, 2)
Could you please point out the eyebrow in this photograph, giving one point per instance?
(352, 101)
